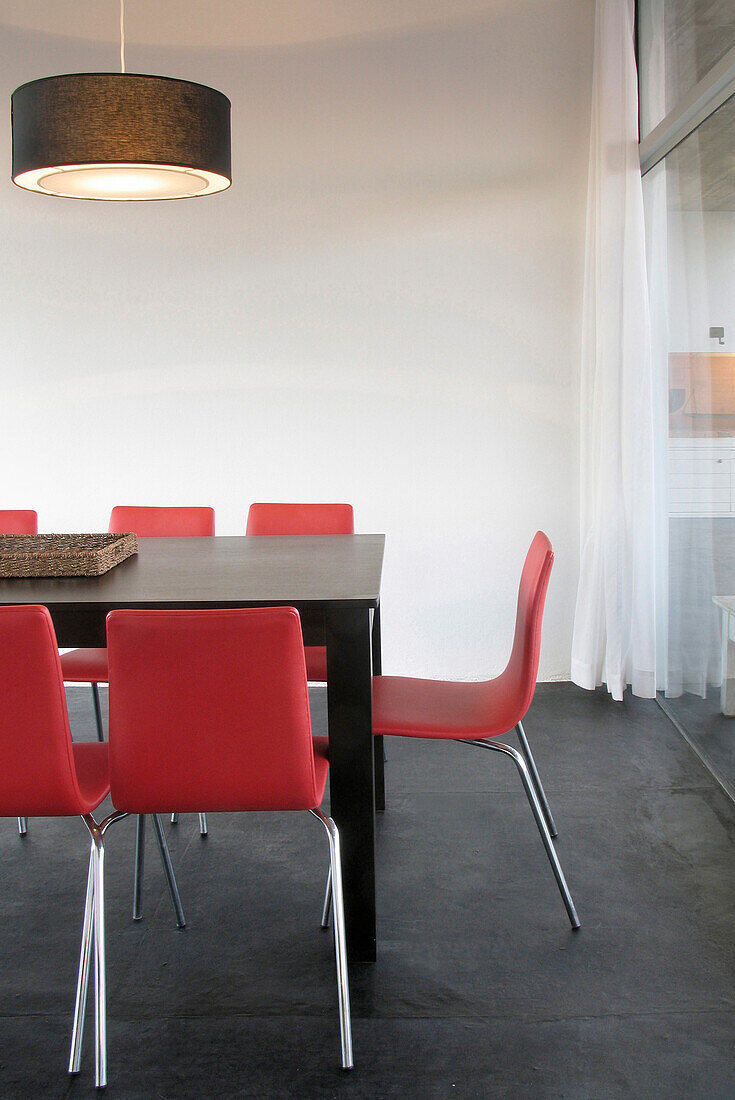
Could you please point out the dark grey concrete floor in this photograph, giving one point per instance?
(480, 990)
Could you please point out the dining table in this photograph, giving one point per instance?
(334, 583)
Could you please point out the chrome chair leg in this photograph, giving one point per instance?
(169, 872)
(100, 968)
(327, 899)
(538, 814)
(526, 750)
(340, 944)
(93, 931)
(80, 1004)
(203, 828)
(22, 826)
(167, 868)
(97, 712)
(139, 864)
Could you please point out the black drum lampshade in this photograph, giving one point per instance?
(121, 137)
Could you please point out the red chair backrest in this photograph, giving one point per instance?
(300, 519)
(209, 710)
(162, 522)
(37, 774)
(519, 677)
(14, 521)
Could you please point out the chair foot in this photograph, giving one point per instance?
(340, 942)
(22, 826)
(543, 828)
(526, 750)
(203, 827)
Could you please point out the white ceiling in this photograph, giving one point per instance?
(232, 24)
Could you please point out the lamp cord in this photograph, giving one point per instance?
(122, 36)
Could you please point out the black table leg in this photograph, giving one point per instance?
(349, 704)
(378, 748)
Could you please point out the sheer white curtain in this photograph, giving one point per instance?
(652, 65)
(614, 640)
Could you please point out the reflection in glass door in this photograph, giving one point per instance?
(690, 210)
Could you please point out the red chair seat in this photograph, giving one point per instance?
(38, 774)
(321, 763)
(209, 710)
(42, 773)
(407, 707)
(300, 519)
(92, 765)
(303, 519)
(440, 709)
(89, 666)
(316, 662)
(86, 666)
(14, 521)
(410, 707)
(206, 706)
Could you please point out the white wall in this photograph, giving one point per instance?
(383, 309)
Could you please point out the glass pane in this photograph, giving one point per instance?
(679, 41)
(690, 212)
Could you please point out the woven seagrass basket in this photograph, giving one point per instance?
(63, 555)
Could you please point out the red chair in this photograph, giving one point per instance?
(41, 772)
(19, 521)
(315, 519)
(303, 519)
(89, 666)
(477, 713)
(211, 708)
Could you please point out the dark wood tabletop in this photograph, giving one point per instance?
(221, 572)
(310, 572)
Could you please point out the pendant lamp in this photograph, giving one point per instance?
(121, 137)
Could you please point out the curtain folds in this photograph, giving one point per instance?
(614, 639)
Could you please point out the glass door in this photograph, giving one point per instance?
(687, 79)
